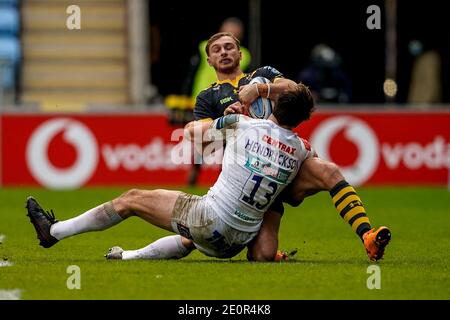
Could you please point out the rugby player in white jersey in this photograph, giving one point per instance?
(261, 158)
(232, 94)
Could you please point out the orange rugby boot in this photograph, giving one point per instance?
(375, 241)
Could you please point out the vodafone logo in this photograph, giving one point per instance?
(361, 135)
(74, 133)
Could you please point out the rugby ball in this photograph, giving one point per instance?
(261, 108)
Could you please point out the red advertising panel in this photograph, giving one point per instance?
(384, 147)
(70, 151)
(67, 151)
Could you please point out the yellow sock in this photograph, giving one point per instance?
(350, 207)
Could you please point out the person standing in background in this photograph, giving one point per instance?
(325, 76)
(425, 85)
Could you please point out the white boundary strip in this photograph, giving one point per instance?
(14, 294)
(6, 263)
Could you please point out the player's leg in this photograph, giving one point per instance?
(195, 166)
(193, 174)
(264, 246)
(317, 175)
(154, 206)
(169, 247)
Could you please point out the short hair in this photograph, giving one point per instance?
(219, 35)
(294, 106)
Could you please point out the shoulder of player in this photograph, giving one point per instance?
(302, 143)
(267, 72)
(249, 122)
(231, 120)
(208, 90)
(263, 69)
(244, 121)
(213, 87)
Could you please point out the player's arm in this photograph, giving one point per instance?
(274, 89)
(197, 128)
(271, 90)
(236, 107)
(206, 131)
(250, 92)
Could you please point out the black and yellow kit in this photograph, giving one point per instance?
(212, 102)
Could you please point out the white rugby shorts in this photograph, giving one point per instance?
(194, 219)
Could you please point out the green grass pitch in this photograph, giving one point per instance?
(330, 264)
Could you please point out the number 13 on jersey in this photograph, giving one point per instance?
(256, 194)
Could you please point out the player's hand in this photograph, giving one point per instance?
(236, 107)
(247, 94)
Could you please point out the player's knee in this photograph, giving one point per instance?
(124, 201)
(331, 175)
(131, 194)
(187, 243)
(265, 256)
(262, 254)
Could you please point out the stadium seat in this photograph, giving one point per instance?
(9, 43)
(9, 2)
(9, 20)
(9, 58)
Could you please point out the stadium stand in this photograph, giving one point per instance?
(65, 69)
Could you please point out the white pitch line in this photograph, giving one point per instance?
(14, 294)
(6, 263)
